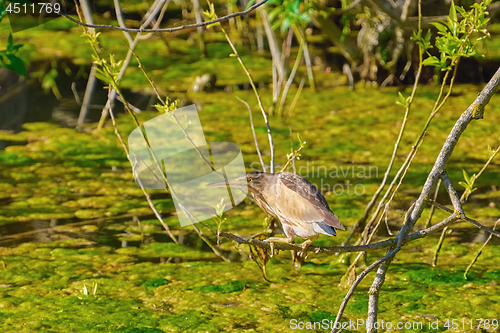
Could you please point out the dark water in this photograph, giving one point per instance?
(106, 234)
(24, 101)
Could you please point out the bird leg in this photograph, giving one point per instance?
(273, 240)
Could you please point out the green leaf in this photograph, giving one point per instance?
(432, 61)
(300, 138)
(453, 18)
(402, 100)
(441, 27)
(473, 178)
(286, 24)
(16, 65)
(463, 184)
(3, 12)
(466, 176)
(101, 75)
(427, 40)
(273, 13)
(294, 7)
(276, 25)
(304, 17)
(250, 4)
(460, 10)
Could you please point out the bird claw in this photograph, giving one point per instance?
(304, 246)
(271, 246)
(273, 240)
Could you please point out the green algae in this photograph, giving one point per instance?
(146, 283)
(215, 296)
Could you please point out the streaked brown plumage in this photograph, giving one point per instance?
(300, 207)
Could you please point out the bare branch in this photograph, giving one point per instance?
(373, 295)
(183, 27)
(254, 135)
(355, 284)
(474, 111)
(148, 197)
(429, 220)
(464, 196)
(455, 200)
(259, 100)
(340, 249)
(480, 251)
(391, 253)
(479, 225)
(465, 218)
(146, 194)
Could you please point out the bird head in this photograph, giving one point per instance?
(254, 181)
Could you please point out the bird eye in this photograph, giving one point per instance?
(249, 180)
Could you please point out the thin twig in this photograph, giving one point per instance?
(465, 218)
(207, 240)
(479, 252)
(474, 111)
(132, 43)
(429, 219)
(299, 33)
(437, 107)
(189, 26)
(439, 245)
(291, 143)
(290, 79)
(254, 135)
(153, 85)
(348, 8)
(146, 194)
(296, 98)
(463, 198)
(259, 100)
(337, 249)
(292, 158)
(373, 200)
(153, 155)
(479, 225)
(455, 201)
(148, 197)
(413, 153)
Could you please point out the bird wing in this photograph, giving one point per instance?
(301, 201)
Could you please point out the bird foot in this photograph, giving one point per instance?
(306, 245)
(271, 248)
(273, 240)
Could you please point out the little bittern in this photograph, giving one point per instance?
(300, 207)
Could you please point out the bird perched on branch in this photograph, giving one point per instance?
(296, 203)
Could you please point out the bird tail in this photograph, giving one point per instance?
(324, 229)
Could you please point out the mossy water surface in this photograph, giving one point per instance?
(82, 251)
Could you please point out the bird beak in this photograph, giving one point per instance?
(240, 182)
